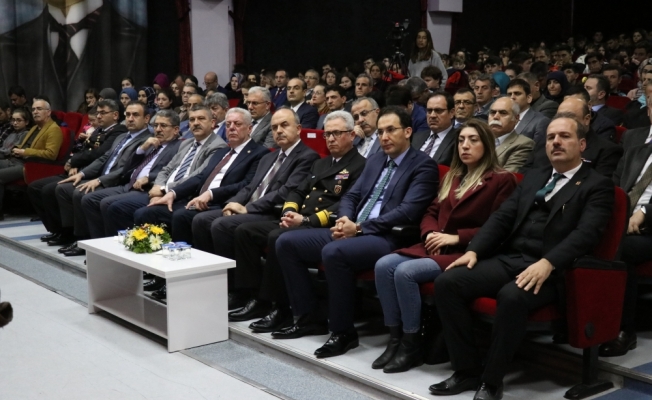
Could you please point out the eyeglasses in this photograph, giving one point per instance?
(103, 113)
(362, 114)
(465, 102)
(336, 134)
(162, 126)
(438, 111)
(389, 130)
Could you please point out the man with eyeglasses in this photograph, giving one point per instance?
(312, 79)
(308, 115)
(395, 188)
(365, 112)
(464, 106)
(188, 90)
(439, 141)
(42, 191)
(43, 141)
(309, 206)
(531, 123)
(258, 104)
(106, 171)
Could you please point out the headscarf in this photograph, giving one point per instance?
(108, 93)
(560, 77)
(151, 96)
(131, 92)
(502, 80)
(162, 80)
(240, 78)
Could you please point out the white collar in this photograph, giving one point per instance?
(76, 13)
(570, 173)
(296, 108)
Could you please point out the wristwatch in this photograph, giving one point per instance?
(358, 230)
(305, 221)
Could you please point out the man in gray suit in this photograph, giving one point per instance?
(439, 141)
(539, 102)
(107, 169)
(512, 149)
(259, 103)
(531, 124)
(365, 114)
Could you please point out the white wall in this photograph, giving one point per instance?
(213, 41)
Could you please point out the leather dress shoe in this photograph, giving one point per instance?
(459, 382)
(619, 346)
(253, 309)
(161, 294)
(154, 284)
(303, 327)
(48, 237)
(67, 248)
(489, 392)
(62, 240)
(277, 319)
(338, 344)
(237, 300)
(395, 334)
(77, 251)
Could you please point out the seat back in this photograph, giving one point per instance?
(66, 144)
(620, 131)
(83, 123)
(314, 139)
(73, 120)
(233, 103)
(618, 102)
(443, 170)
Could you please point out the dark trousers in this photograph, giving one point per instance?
(254, 240)
(118, 211)
(94, 206)
(342, 259)
(41, 194)
(72, 215)
(222, 231)
(456, 289)
(10, 170)
(635, 250)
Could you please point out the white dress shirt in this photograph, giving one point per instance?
(647, 194)
(562, 181)
(365, 145)
(150, 164)
(438, 138)
(220, 175)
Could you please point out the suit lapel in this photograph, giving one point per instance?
(638, 162)
(445, 144)
(506, 144)
(335, 168)
(288, 161)
(471, 193)
(400, 171)
(529, 116)
(243, 156)
(568, 190)
(537, 183)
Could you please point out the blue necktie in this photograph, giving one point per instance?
(376, 194)
(115, 153)
(540, 196)
(181, 172)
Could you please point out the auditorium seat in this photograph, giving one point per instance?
(233, 103)
(314, 139)
(618, 102)
(620, 131)
(73, 120)
(37, 168)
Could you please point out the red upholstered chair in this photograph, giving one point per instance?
(73, 120)
(83, 123)
(620, 131)
(233, 103)
(36, 168)
(619, 102)
(595, 290)
(314, 139)
(59, 114)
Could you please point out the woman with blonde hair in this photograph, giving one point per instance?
(474, 187)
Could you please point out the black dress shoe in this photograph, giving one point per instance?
(277, 319)
(619, 346)
(237, 300)
(160, 294)
(409, 354)
(459, 382)
(62, 240)
(77, 251)
(395, 334)
(253, 309)
(154, 284)
(303, 327)
(338, 344)
(68, 248)
(51, 236)
(489, 392)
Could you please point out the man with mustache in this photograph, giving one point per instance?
(512, 149)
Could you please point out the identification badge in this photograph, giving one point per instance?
(338, 189)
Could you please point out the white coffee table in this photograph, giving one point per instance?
(197, 301)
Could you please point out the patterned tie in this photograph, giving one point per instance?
(141, 166)
(377, 192)
(115, 153)
(640, 186)
(65, 59)
(540, 196)
(497, 142)
(432, 139)
(181, 172)
(260, 190)
(216, 171)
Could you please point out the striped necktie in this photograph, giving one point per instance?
(260, 190)
(377, 192)
(141, 166)
(183, 168)
(433, 139)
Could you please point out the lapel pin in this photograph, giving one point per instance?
(248, 151)
(578, 183)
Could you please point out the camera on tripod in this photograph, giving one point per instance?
(398, 33)
(398, 67)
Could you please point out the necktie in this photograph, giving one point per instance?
(65, 59)
(497, 142)
(432, 139)
(216, 171)
(115, 153)
(278, 92)
(377, 192)
(540, 196)
(181, 172)
(142, 166)
(260, 190)
(640, 186)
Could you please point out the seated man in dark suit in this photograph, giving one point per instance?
(531, 124)
(307, 207)
(439, 141)
(601, 154)
(279, 92)
(598, 87)
(556, 215)
(643, 135)
(465, 102)
(539, 102)
(365, 114)
(395, 188)
(308, 115)
(601, 126)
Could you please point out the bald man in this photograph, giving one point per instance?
(211, 82)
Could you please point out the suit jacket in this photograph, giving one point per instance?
(100, 142)
(419, 120)
(580, 213)
(96, 168)
(115, 48)
(534, 125)
(603, 126)
(263, 133)
(293, 171)
(46, 144)
(206, 150)
(601, 154)
(308, 116)
(635, 137)
(514, 151)
(545, 106)
(407, 195)
(462, 217)
(616, 116)
(163, 159)
(319, 196)
(239, 174)
(279, 100)
(222, 133)
(320, 122)
(375, 147)
(628, 171)
(444, 153)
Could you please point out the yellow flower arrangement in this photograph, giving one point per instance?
(147, 238)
